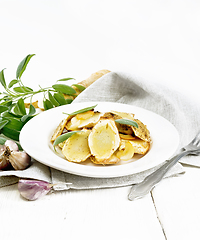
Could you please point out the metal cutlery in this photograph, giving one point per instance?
(141, 189)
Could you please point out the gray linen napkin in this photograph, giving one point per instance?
(133, 90)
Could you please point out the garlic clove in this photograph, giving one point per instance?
(4, 163)
(33, 189)
(12, 145)
(19, 160)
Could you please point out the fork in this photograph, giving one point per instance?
(143, 188)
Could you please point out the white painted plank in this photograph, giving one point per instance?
(178, 204)
(90, 214)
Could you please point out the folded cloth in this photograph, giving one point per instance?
(133, 90)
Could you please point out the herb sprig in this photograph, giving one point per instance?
(63, 137)
(13, 112)
(81, 110)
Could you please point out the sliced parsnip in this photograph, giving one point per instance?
(141, 132)
(140, 146)
(125, 151)
(104, 139)
(126, 137)
(90, 122)
(85, 115)
(124, 115)
(73, 124)
(112, 160)
(59, 129)
(76, 147)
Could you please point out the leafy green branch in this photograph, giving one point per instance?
(13, 111)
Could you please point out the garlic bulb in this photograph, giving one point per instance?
(11, 156)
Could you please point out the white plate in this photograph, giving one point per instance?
(35, 140)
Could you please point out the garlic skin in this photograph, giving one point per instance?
(33, 189)
(12, 145)
(19, 160)
(4, 162)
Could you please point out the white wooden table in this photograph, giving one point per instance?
(158, 40)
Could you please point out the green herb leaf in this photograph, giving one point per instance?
(2, 78)
(6, 103)
(63, 137)
(23, 89)
(32, 111)
(11, 133)
(12, 83)
(14, 123)
(80, 87)
(60, 98)
(3, 108)
(22, 66)
(64, 89)
(53, 100)
(81, 110)
(21, 106)
(127, 122)
(68, 101)
(8, 114)
(65, 79)
(2, 140)
(3, 123)
(47, 104)
(19, 146)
